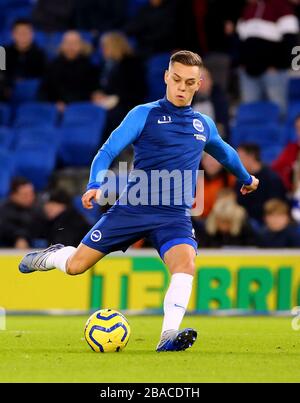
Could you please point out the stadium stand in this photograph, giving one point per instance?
(35, 114)
(35, 162)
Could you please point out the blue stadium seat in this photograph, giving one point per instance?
(263, 135)
(6, 160)
(84, 114)
(14, 12)
(5, 180)
(294, 90)
(258, 113)
(270, 153)
(155, 68)
(25, 91)
(79, 144)
(36, 114)
(7, 137)
(5, 114)
(290, 134)
(35, 163)
(293, 111)
(134, 5)
(37, 136)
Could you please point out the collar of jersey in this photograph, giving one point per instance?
(182, 110)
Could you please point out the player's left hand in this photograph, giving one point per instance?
(250, 188)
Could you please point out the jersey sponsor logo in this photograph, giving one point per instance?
(96, 236)
(198, 125)
(200, 137)
(164, 120)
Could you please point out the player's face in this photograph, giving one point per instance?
(182, 83)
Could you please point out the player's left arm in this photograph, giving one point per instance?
(229, 158)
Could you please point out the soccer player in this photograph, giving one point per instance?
(168, 136)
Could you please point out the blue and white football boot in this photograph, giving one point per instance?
(176, 340)
(35, 261)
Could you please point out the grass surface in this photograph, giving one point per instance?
(52, 349)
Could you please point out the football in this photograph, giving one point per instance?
(107, 331)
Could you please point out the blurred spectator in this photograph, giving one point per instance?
(24, 59)
(296, 194)
(65, 224)
(53, 15)
(216, 178)
(279, 232)
(100, 15)
(21, 221)
(268, 31)
(70, 77)
(270, 187)
(220, 17)
(226, 225)
(122, 79)
(286, 160)
(212, 101)
(154, 27)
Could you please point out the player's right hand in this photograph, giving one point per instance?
(90, 196)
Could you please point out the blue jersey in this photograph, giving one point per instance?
(166, 138)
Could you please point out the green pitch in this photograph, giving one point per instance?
(52, 349)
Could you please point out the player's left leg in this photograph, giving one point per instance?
(180, 260)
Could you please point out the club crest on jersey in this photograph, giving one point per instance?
(198, 125)
(165, 119)
(96, 236)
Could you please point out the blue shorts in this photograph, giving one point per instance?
(122, 226)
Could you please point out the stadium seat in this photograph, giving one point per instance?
(14, 12)
(263, 135)
(155, 67)
(6, 160)
(25, 91)
(5, 179)
(79, 144)
(37, 136)
(258, 113)
(36, 114)
(84, 114)
(4, 114)
(294, 90)
(270, 153)
(293, 111)
(7, 137)
(35, 163)
(134, 5)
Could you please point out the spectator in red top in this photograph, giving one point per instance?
(286, 160)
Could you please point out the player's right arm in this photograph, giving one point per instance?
(125, 134)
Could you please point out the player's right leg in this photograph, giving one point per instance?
(68, 259)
